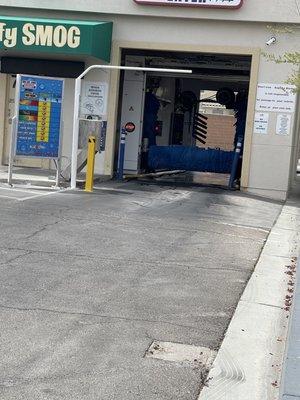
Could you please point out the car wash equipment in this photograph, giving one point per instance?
(200, 127)
(190, 158)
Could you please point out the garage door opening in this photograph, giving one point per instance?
(185, 128)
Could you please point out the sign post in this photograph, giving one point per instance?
(12, 149)
(37, 125)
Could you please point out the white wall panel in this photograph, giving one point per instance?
(285, 11)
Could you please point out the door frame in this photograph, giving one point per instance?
(138, 121)
(113, 102)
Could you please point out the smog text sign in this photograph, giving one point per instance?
(195, 3)
(39, 113)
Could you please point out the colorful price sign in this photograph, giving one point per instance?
(39, 113)
(195, 3)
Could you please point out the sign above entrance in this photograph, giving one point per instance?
(87, 38)
(195, 3)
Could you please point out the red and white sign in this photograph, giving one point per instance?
(195, 3)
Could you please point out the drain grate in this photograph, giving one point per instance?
(181, 353)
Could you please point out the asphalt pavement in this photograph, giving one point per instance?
(89, 281)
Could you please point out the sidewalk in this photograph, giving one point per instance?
(30, 176)
(250, 361)
(291, 383)
(290, 388)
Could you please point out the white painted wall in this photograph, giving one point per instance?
(283, 11)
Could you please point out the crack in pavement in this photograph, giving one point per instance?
(125, 260)
(9, 261)
(42, 229)
(60, 312)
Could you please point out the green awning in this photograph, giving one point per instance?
(86, 38)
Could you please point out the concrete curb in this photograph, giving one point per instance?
(249, 363)
(290, 388)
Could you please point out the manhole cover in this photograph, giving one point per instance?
(181, 353)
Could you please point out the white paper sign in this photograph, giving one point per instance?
(275, 98)
(94, 99)
(283, 126)
(261, 123)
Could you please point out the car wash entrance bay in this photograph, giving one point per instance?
(90, 38)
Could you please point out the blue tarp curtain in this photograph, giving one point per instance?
(190, 159)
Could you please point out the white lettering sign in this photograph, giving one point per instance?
(261, 123)
(275, 98)
(8, 36)
(41, 35)
(195, 3)
(283, 125)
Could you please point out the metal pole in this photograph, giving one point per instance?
(75, 133)
(122, 155)
(12, 150)
(143, 69)
(59, 160)
(89, 183)
(235, 162)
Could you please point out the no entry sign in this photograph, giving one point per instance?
(130, 127)
(195, 3)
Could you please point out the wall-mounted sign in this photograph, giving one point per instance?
(195, 3)
(56, 36)
(275, 98)
(283, 125)
(39, 113)
(261, 123)
(94, 100)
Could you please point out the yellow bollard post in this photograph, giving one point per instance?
(89, 182)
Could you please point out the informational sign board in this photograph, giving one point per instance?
(261, 123)
(283, 125)
(195, 3)
(94, 100)
(39, 116)
(275, 98)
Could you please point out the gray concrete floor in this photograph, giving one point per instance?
(89, 281)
